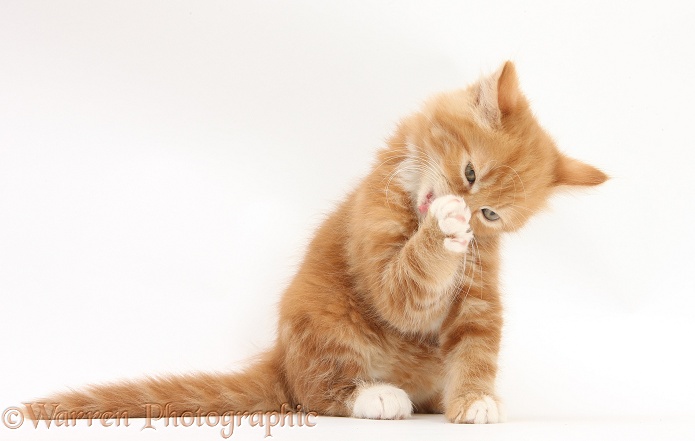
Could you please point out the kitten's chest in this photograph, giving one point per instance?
(413, 363)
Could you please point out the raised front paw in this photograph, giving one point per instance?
(475, 408)
(453, 216)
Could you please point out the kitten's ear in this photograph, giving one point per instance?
(508, 94)
(570, 171)
(498, 95)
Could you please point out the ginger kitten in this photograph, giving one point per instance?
(396, 306)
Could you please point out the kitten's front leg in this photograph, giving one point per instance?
(471, 341)
(470, 344)
(410, 278)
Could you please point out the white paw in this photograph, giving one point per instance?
(483, 410)
(382, 402)
(453, 217)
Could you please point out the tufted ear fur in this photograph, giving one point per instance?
(508, 94)
(498, 95)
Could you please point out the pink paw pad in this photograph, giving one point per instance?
(453, 216)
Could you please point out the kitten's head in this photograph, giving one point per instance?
(483, 143)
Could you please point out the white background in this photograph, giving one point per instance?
(163, 165)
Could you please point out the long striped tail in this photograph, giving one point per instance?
(258, 387)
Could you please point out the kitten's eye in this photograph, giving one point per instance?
(470, 173)
(490, 215)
